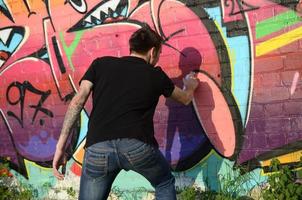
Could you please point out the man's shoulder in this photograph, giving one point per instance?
(107, 58)
(103, 61)
(158, 69)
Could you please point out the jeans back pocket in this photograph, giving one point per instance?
(142, 157)
(96, 164)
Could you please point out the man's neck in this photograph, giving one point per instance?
(139, 56)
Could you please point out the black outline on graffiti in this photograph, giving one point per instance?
(78, 25)
(72, 140)
(225, 75)
(287, 3)
(49, 15)
(71, 94)
(241, 5)
(238, 126)
(73, 4)
(255, 162)
(28, 8)
(15, 29)
(59, 58)
(7, 13)
(20, 167)
(22, 88)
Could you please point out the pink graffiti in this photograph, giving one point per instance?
(34, 111)
(34, 114)
(272, 109)
(294, 83)
(233, 10)
(99, 41)
(27, 23)
(35, 92)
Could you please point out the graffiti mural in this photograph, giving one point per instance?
(247, 53)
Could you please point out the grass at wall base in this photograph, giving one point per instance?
(10, 190)
(232, 184)
(282, 184)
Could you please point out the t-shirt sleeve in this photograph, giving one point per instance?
(90, 73)
(167, 86)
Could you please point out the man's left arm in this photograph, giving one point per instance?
(73, 112)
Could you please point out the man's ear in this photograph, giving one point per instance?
(152, 52)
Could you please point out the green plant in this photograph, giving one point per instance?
(7, 191)
(233, 184)
(22, 192)
(71, 192)
(281, 184)
(237, 182)
(189, 193)
(115, 191)
(137, 194)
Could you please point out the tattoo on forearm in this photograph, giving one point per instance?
(71, 116)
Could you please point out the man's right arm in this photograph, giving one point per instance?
(73, 112)
(186, 94)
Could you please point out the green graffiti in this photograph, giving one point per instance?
(70, 49)
(276, 23)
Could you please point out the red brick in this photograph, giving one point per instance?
(59, 110)
(259, 141)
(268, 64)
(297, 94)
(247, 142)
(269, 95)
(257, 111)
(294, 136)
(260, 125)
(277, 125)
(293, 108)
(288, 76)
(296, 124)
(250, 128)
(268, 79)
(290, 48)
(300, 45)
(276, 140)
(293, 61)
(274, 109)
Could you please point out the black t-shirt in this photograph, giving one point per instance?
(125, 94)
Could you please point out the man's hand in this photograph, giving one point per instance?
(191, 81)
(59, 160)
(185, 95)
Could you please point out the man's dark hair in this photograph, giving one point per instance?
(142, 40)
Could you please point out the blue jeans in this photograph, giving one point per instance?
(103, 161)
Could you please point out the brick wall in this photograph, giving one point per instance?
(247, 108)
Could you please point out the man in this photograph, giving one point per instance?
(120, 130)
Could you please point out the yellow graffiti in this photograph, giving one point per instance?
(279, 41)
(285, 159)
(230, 55)
(29, 164)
